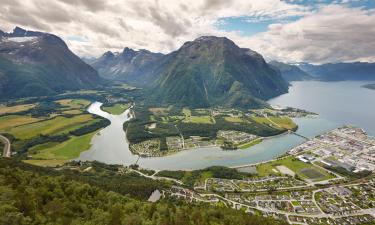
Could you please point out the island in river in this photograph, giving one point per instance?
(167, 130)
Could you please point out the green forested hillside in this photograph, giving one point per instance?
(215, 71)
(40, 64)
(32, 195)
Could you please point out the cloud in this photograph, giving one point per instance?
(323, 33)
(333, 34)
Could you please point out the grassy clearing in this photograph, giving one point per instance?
(295, 165)
(159, 111)
(74, 103)
(199, 119)
(8, 122)
(116, 109)
(233, 119)
(46, 163)
(67, 150)
(186, 112)
(284, 122)
(15, 109)
(250, 144)
(57, 125)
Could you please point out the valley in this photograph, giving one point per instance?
(210, 132)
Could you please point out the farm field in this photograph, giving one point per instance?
(117, 108)
(199, 119)
(57, 125)
(74, 103)
(8, 122)
(15, 109)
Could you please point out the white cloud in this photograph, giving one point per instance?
(112, 25)
(332, 33)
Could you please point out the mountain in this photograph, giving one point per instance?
(134, 67)
(341, 71)
(290, 72)
(215, 71)
(35, 63)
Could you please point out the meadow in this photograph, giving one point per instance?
(116, 109)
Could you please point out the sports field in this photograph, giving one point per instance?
(303, 170)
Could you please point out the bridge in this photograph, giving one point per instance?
(299, 135)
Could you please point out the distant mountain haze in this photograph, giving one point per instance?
(35, 63)
(290, 72)
(134, 67)
(341, 71)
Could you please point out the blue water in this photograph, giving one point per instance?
(337, 103)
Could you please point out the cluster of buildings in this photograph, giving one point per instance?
(351, 147)
(347, 147)
(251, 185)
(236, 137)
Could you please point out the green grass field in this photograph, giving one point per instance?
(199, 119)
(8, 122)
(233, 119)
(297, 166)
(57, 125)
(282, 122)
(116, 109)
(63, 151)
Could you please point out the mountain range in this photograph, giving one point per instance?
(204, 72)
(290, 72)
(208, 71)
(134, 67)
(35, 63)
(340, 71)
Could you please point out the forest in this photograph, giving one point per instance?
(33, 195)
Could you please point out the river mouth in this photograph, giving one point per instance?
(110, 146)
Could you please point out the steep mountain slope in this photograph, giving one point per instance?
(35, 63)
(290, 72)
(215, 71)
(341, 71)
(135, 67)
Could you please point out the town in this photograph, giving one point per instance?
(325, 180)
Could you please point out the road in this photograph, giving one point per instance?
(7, 150)
(157, 178)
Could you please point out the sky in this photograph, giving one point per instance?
(314, 31)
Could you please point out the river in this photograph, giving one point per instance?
(110, 145)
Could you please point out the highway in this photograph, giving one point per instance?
(7, 150)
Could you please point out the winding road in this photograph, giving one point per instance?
(7, 150)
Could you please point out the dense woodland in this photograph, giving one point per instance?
(32, 195)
